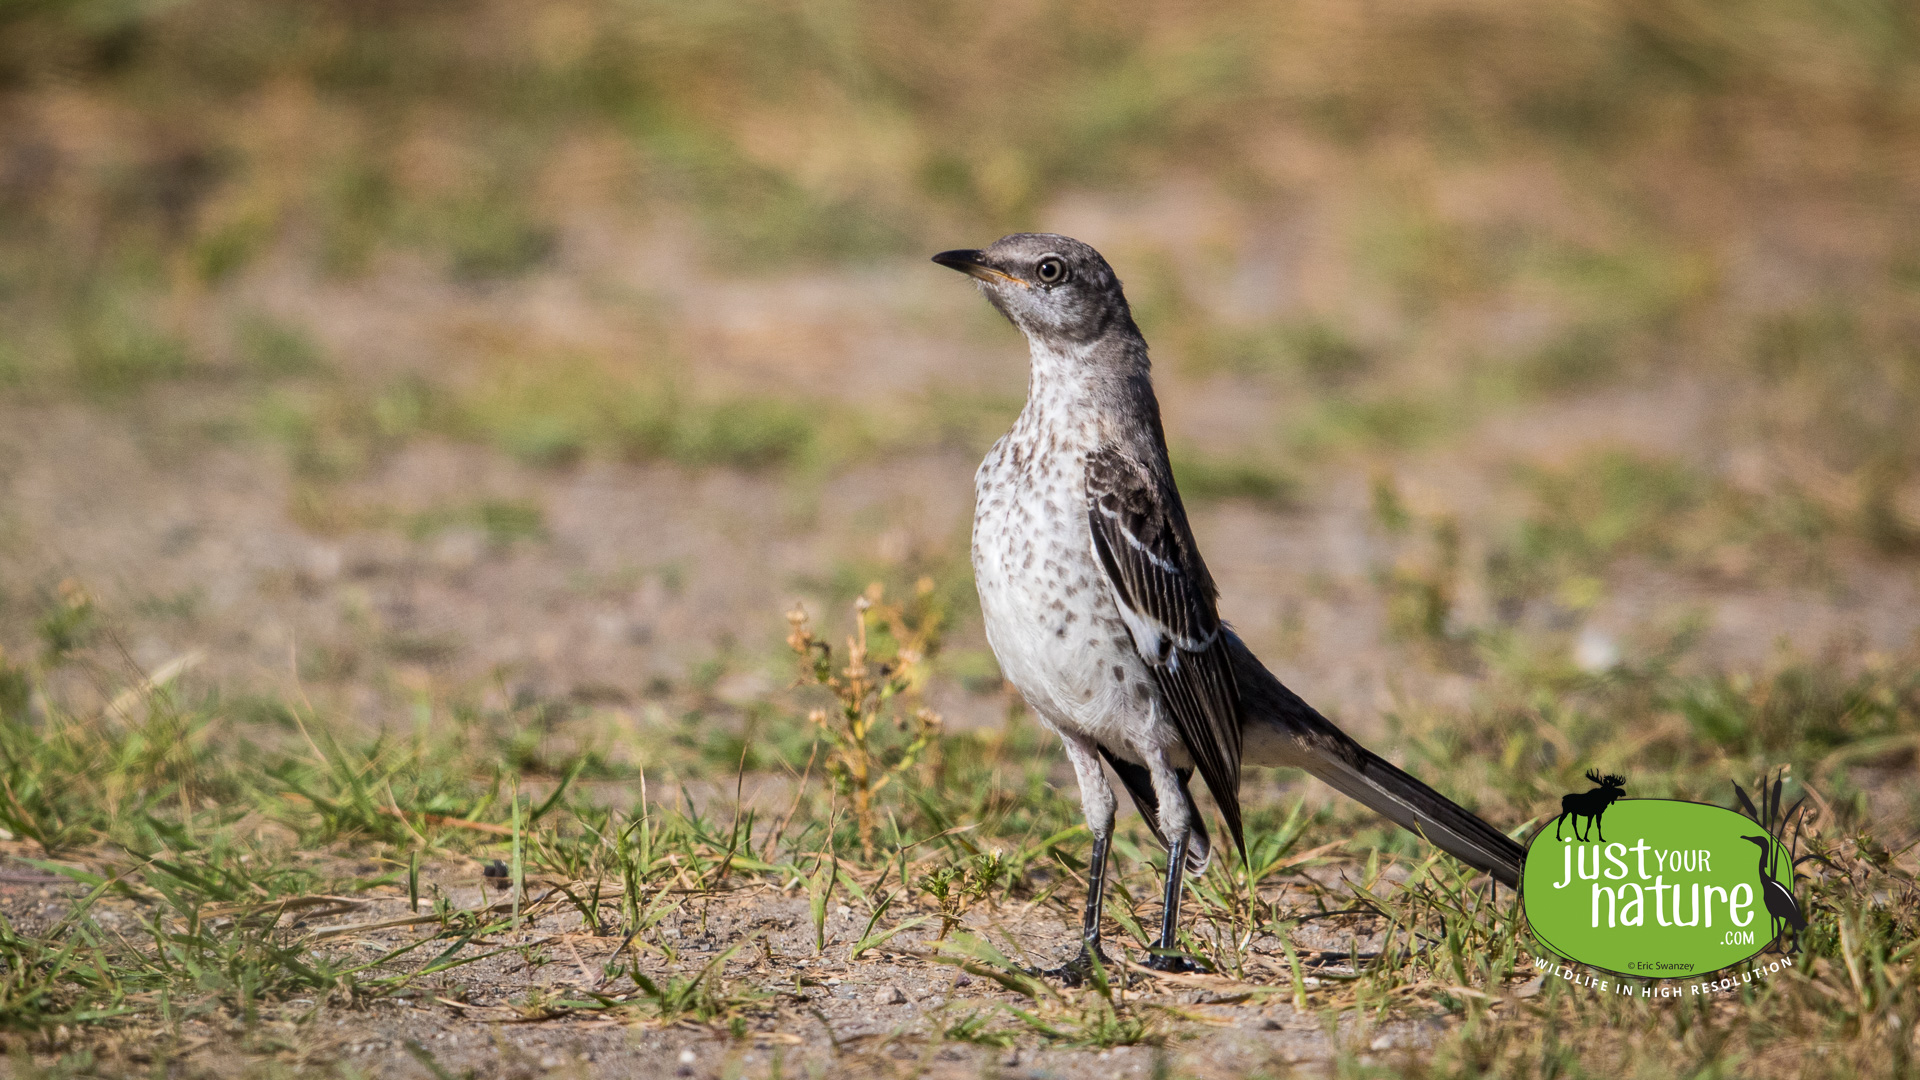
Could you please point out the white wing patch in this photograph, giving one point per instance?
(1150, 636)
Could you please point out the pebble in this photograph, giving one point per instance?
(889, 995)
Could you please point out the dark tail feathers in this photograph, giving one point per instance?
(1281, 729)
(1364, 775)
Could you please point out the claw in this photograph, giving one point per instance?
(1174, 963)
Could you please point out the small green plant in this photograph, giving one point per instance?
(819, 891)
(703, 997)
(868, 692)
(956, 887)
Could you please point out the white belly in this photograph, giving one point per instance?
(1050, 617)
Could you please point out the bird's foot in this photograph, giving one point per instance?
(1077, 970)
(1174, 962)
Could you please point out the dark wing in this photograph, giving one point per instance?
(1166, 597)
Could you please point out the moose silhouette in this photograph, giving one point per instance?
(1589, 805)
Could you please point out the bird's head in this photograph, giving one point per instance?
(1765, 842)
(1054, 288)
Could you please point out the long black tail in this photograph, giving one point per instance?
(1280, 729)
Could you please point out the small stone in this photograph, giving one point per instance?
(496, 874)
(889, 995)
(686, 1057)
(1383, 1042)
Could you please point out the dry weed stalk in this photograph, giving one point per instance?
(866, 690)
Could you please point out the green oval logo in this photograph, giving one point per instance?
(1657, 889)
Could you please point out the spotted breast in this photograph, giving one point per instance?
(1049, 611)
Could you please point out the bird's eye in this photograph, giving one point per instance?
(1051, 271)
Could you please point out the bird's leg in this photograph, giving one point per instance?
(1096, 795)
(1165, 957)
(1080, 968)
(1096, 893)
(1178, 829)
(1082, 965)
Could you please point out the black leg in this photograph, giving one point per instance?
(1164, 957)
(1076, 970)
(1170, 910)
(1096, 894)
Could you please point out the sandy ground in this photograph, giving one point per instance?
(817, 1013)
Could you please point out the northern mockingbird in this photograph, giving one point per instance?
(1101, 611)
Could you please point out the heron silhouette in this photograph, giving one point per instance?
(1779, 899)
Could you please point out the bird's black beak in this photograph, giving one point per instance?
(972, 261)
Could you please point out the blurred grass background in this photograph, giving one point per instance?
(1511, 203)
(1627, 190)
(1585, 336)
(333, 231)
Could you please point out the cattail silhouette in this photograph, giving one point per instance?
(1779, 899)
(1589, 805)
